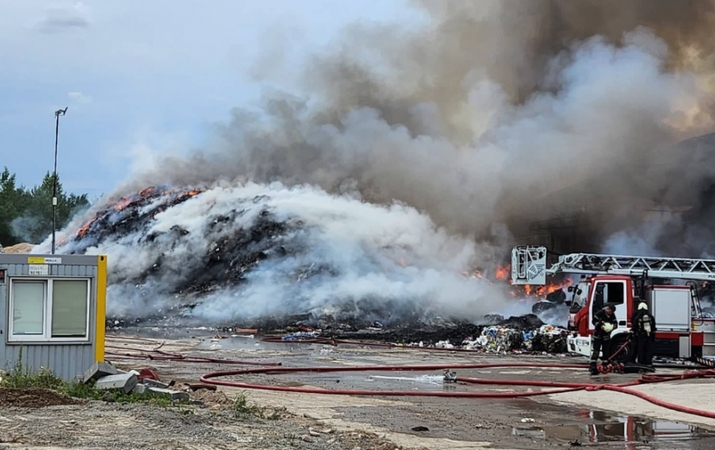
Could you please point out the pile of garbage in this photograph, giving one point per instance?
(300, 336)
(257, 256)
(500, 339)
(517, 334)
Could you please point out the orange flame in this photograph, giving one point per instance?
(476, 273)
(83, 231)
(124, 202)
(503, 272)
(546, 289)
(121, 204)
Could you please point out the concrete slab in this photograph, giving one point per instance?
(99, 370)
(174, 395)
(122, 381)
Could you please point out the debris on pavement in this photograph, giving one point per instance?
(173, 395)
(99, 370)
(517, 334)
(120, 382)
(137, 382)
(301, 336)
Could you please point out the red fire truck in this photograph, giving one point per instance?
(667, 285)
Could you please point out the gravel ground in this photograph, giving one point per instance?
(99, 425)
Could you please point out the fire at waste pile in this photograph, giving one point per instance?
(261, 255)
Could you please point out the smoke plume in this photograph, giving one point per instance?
(481, 114)
(491, 113)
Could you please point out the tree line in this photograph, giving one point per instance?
(26, 214)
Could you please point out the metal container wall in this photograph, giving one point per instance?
(67, 360)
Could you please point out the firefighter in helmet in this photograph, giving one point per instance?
(643, 329)
(604, 322)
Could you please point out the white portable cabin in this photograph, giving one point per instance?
(54, 309)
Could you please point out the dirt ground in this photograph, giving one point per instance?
(310, 421)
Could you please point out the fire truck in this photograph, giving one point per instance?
(668, 286)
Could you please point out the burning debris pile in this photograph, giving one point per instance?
(517, 334)
(239, 254)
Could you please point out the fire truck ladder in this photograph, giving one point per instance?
(529, 266)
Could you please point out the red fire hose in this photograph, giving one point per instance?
(564, 387)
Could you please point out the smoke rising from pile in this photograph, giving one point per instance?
(479, 115)
(339, 256)
(493, 112)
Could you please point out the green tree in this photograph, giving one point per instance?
(10, 206)
(36, 220)
(26, 215)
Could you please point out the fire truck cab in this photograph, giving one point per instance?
(621, 281)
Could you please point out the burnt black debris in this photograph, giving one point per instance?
(225, 261)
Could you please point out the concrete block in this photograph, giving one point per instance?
(139, 389)
(122, 381)
(174, 395)
(99, 370)
(155, 383)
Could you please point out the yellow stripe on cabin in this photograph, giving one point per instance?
(101, 308)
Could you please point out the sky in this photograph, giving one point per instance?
(147, 76)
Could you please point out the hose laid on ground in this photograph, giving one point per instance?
(565, 387)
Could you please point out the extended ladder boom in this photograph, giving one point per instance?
(529, 266)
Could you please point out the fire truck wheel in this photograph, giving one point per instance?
(627, 354)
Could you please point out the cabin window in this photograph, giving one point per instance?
(608, 293)
(49, 310)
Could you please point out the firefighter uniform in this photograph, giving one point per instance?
(604, 323)
(643, 327)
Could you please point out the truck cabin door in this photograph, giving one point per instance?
(609, 293)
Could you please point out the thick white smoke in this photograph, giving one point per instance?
(387, 253)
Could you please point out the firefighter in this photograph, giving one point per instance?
(644, 331)
(604, 323)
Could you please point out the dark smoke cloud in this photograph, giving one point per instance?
(492, 112)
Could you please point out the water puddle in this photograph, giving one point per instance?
(594, 427)
(429, 379)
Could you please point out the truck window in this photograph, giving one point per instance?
(612, 292)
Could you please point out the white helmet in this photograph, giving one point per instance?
(607, 327)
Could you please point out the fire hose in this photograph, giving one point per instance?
(563, 386)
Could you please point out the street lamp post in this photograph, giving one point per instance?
(58, 113)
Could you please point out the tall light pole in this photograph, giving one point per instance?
(58, 113)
